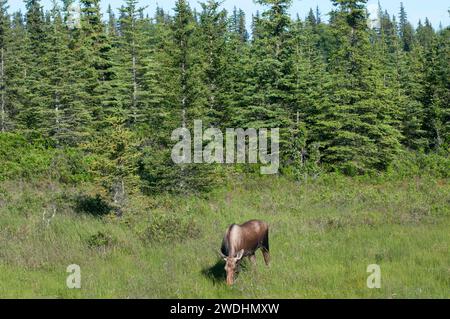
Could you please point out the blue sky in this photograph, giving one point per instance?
(435, 10)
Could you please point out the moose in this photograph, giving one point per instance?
(243, 241)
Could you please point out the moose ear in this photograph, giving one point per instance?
(240, 254)
(222, 255)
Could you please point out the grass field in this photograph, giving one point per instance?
(323, 235)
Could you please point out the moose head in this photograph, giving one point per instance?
(231, 265)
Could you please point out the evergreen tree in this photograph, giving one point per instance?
(115, 162)
(35, 26)
(186, 101)
(406, 30)
(4, 30)
(318, 16)
(425, 34)
(345, 95)
(242, 28)
(256, 26)
(436, 88)
(442, 93)
(237, 24)
(307, 82)
(311, 17)
(67, 119)
(94, 51)
(403, 84)
(130, 53)
(16, 71)
(266, 105)
(32, 116)
(212, 40)
(112, 23)
(238, 66)
(412, 79)
(358, 126)
(183, 28)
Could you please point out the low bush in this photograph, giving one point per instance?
(411, 164)
(92, 205)
(101, 240)
(35, 159)
(169, 228)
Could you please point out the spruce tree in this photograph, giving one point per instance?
(67, 118)
(16, 70)
(35, 26)
(436, 87)
(131, 50)
(307, 81)
(184, 101)
(95, 61)
(183, 28)
(115, 156)
(442, 92)
(266, 101)
(238, 67)
(412, 79)
(32, 116)
(359, 133)
(112, 22)
(212, 41)
(311, 17)
(4, 31)
(406, 30)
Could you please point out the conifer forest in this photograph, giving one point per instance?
(90, 97)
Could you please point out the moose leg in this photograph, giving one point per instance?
(266, 256)
(253, 259)
(265, 248)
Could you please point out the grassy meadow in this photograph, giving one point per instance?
(323, 235)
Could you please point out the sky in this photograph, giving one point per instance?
(435, 10)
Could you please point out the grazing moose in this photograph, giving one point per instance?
(243, 241)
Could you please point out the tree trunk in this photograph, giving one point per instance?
(183, 98)
(135, 86)
(119, 196)
(2, 106)
(57, 116)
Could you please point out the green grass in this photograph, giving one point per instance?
(323, 235)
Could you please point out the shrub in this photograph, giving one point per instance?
(411, 164)
(70, 166)
(21, 159)
(31, 160)
(101, 240)
(93, 205)
(167, 228)
(160, 174)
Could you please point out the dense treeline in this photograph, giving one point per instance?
(105, 92)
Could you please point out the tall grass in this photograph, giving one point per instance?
(323, 235)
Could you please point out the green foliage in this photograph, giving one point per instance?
(160, 174)
(99, 100)
(101, 240)
(114, 161)
(21, 159)
(95, 206)
(411, 164)
(86, 114)
(170, 228)
(359, 124)
(406, 30)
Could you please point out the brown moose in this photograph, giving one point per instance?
(243, 241)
